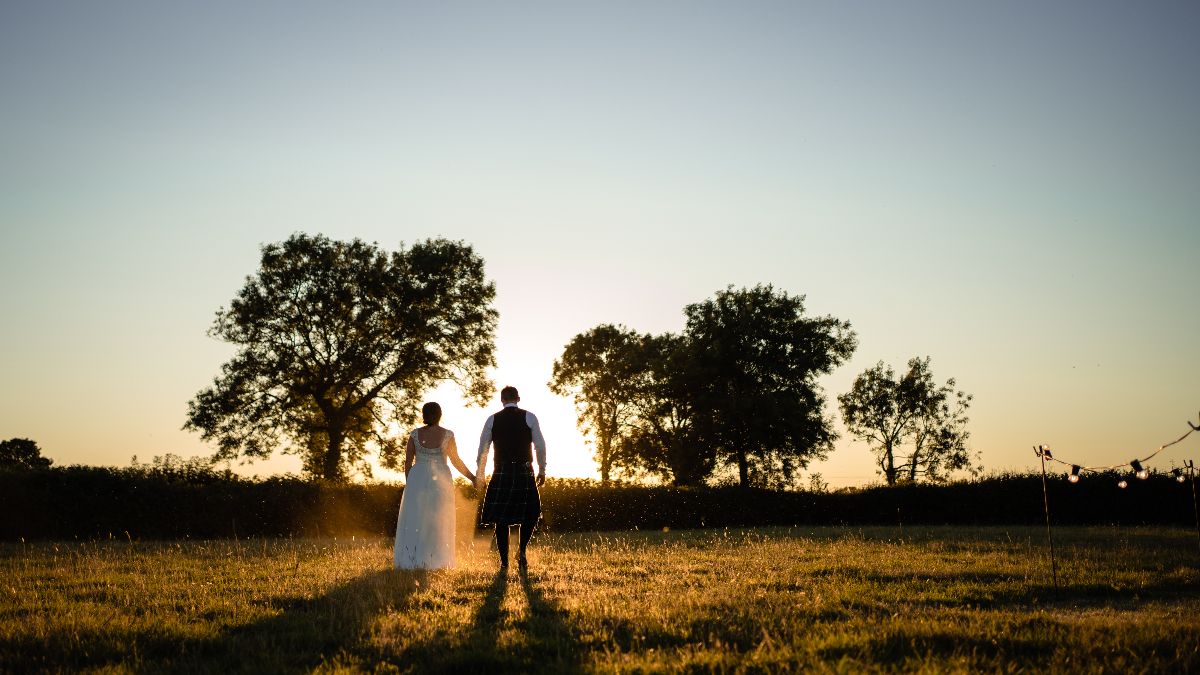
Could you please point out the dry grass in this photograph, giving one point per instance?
(823, 599)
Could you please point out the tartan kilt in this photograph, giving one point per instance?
(512, 496)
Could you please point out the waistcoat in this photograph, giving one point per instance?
(512, 437)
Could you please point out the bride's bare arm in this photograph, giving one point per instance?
(452, 454)
(410, 455)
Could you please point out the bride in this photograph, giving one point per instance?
(425, 526)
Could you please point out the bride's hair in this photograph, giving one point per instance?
(431, 413)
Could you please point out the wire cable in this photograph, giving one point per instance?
(1044, 451)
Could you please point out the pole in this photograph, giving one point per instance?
(1191, 465)
(1041, 453)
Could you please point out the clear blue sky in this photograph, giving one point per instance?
(1012, 189)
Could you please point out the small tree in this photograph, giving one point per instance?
(915, 427)
(754, 363)
(337, 340)
(599, 369)
(22, 454)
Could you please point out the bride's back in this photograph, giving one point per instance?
(431, 440)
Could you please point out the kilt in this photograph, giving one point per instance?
(512, 496)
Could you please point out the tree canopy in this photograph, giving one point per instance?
(22, 453)
(664, 441)
(756, 360)
(916, 428)
(737, 389)
(337, 341)
(599, 369)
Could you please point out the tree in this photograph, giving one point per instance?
(598, 369)
(664, 440)
(754, 363)
(22, 453)
(337, 341)
(909, 413)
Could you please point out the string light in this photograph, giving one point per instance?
(1138, 464)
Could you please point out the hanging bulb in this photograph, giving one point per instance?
(1074, 477)
(1139, 470)
(1179, 477)
(1123, 484)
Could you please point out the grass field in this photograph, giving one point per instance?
(820, 599)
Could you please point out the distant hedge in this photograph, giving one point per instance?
(94, 502)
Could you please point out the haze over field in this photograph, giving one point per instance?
(1009, 189)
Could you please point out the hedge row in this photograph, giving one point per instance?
(91, 502)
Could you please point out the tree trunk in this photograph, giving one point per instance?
(604, 447)
(889, 470)
(333, 456)
(743, 468)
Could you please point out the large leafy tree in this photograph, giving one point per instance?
(755, 360)
(337, 341)
(915, 427)
(599, 369)
(22, 453)
(664, 440)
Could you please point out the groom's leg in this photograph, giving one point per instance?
(502, 542)
(526, 534)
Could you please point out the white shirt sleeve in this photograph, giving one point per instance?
(539, 441)
(485, 439)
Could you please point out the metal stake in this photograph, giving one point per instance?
(1041, 451)
(1191, 467)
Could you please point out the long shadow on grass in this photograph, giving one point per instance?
(551, 637)
(307, 632)
(1000, 590)
(298, 639)
(310, 631)
(541, 641)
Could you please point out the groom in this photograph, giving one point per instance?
(512, 494)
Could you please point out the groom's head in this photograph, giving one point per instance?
(509, 395)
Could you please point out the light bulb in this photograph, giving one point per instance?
(1143, 474)
(1123, 484)
(1181, 478)
(1137, 467)
(1073, 478)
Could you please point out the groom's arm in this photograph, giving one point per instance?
(485, 439)
(539, 444)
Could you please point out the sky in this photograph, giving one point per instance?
(1012, 189)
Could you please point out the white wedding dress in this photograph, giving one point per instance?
(425, 526)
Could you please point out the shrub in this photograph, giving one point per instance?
(166, 500)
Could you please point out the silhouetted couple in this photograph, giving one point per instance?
(425, 525)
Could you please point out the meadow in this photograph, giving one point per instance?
(824, 599)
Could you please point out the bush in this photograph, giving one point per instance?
(171, 500)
